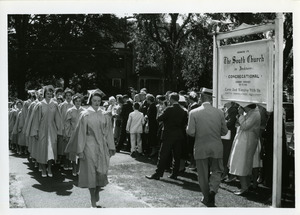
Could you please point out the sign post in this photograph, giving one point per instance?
(249, 73)
(277, 149)
(215, 70)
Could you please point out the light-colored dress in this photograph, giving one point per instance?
(46, 124)
(93, 137)
(71, 120)
(63, 108)
(117, 123)
(257, 161)
(245, 144)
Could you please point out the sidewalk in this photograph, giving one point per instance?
(61, 192)
(127, 188)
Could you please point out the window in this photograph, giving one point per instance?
(117, 82)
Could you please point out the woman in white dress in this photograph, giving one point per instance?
(244, 146)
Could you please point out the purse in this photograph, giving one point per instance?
(227, 136)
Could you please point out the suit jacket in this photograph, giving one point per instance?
(174, 119)
(125, 111)
(144, 107)
(152, 114)
(135, 122)
(207, 124)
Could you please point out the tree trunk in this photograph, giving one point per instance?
(66, 77)
(21, 26)
(21, 77)
(169, 79)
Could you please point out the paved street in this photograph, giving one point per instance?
(128, 188)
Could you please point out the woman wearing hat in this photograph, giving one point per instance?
(46, 125)
(71, 120)
(93, 142)
(244, 146)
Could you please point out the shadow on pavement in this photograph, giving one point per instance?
(185, 184)
(61, 183)
(262, 194)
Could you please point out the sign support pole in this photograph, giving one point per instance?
(215, 71)
(278, 84)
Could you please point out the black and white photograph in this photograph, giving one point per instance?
(126, 107)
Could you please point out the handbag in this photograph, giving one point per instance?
(227, 136)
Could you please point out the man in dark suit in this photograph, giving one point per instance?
(174, 119)
(152, 122)
(207, 124)
(125, 111)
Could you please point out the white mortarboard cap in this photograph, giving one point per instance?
(91, 92)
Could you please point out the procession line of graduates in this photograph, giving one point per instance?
(63, 132)
(40, 126)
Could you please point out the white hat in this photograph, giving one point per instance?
(181, 98)
(193, 94)
(112, 98)
(68, 90)
(31, 92)
(206, 91)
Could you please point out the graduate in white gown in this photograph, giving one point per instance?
(70, 123)
(32, 142)
(46, 125)
(93, 142)
(22, 141)
(16, 135)
(61, 141)
(12, 116)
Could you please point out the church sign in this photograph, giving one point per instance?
(246, 73)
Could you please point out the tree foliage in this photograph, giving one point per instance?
(60, 47)
(75, 50)
(170, 36)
